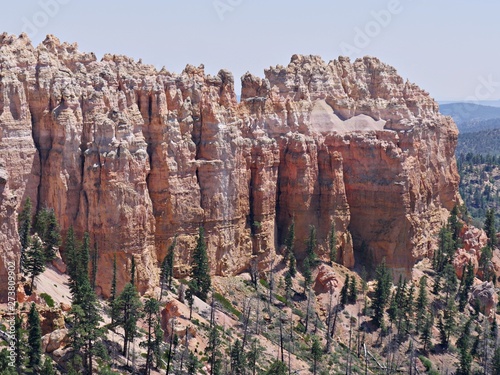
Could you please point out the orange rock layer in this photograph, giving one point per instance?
(136, 156)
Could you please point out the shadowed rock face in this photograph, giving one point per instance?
(136, 156)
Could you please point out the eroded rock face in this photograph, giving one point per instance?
(136, 156)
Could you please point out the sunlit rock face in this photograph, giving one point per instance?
(137, 156)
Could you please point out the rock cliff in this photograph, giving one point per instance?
(136, 156)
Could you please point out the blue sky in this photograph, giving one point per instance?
(448, 47)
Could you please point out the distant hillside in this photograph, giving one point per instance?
(482, 142)
(472, 117)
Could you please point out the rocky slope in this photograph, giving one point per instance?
(135, 156)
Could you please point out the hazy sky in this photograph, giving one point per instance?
(448, 47)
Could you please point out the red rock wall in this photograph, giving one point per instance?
(136, 156)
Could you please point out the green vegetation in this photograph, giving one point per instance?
(48, 299)
(226, 304)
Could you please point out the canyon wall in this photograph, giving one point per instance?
(137, 156)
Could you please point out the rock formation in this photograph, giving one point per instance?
(136, 156)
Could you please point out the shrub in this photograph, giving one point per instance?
(48, 299)
(226, 304)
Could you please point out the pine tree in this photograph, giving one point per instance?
(292, 265)
(213, 351)
(463, 345)
(48, 367)
(200, 270)
(382, 293)
(426, 335)
(344, 292)
(167, 267)
(41, 222)
(20, 343)
(85, 332)
(193, 364)
(129, 306)
(132, 271)
(79, 274)
(71, 253)
(332, 243)
(24, 230)
(485, 264)
(496, 362)
(237, 359)
(52, 236)
(311, 246)
(288, 286)
(455, 227)
(307, 274)
(94, 259)
(353, 291)
(34, 261)
(466, 284)
(190, 299)
(490, 228)
(447, 323)
(34, 339)
(277, 368)
(152, 311)
(316, 353)
(422, 303)
(450, 280)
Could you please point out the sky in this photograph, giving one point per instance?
(447, 47)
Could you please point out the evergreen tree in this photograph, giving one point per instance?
(71, 253)
(455, 227)
(485, 264)
(490, 228)
(316, 353)
(450, 280)
(93, 261)
(344, 292)
(311, 246)
(382, 292)
(34, 339)
(48, 367)
(24, 230)
(277, 368)
(132, 271)
(190, 299)
(292, 265)
(290, 240)
(237, 359)
(85, 332)
(463, 345)
(34, 260)
(422, 302)
(307, 274)
(5, 364)
(353, 291)
(288, 286)
(79, 274)
(152, 311)
(496, 362)
(213, 351)
(445, 250)
(426, 335)
(112, 296)
(332, 243)
(200, 270)
(20, 342)
(52, 236)
(129, 309)
(167, 267)
(41, 222)
(447, 323)
(193, 364)
(466, 284)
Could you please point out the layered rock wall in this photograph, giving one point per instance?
(136, 156)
